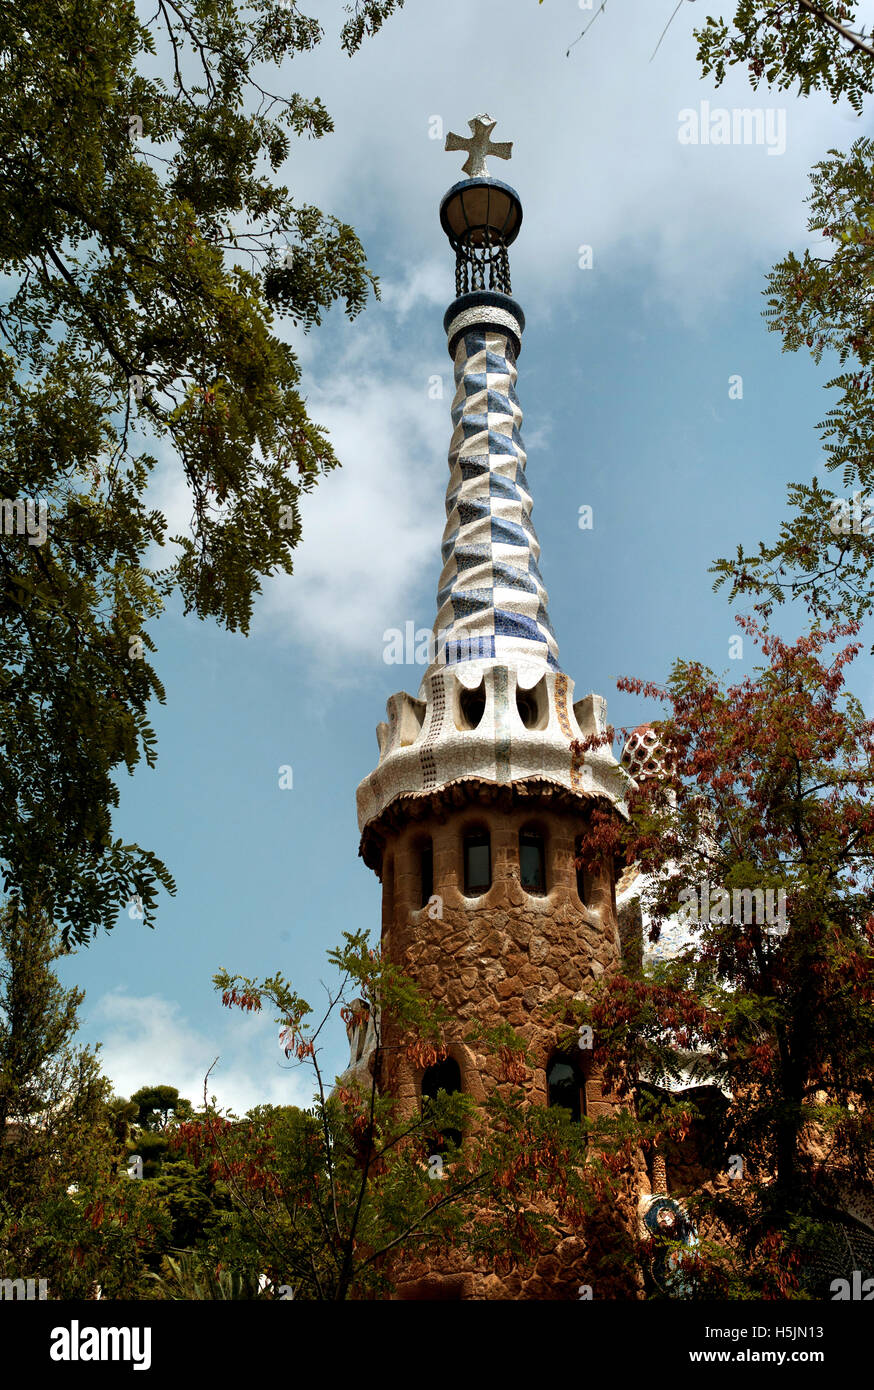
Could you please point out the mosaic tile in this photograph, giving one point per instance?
(488, 508)
(492, 627)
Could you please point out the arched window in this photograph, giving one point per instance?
(477, 863)
(442, 1076)
(565, 1084)
(472, 706)
(426, 872)
(527, 707)
(532, 862)
(533, 706)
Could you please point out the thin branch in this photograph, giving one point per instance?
(423, 1218)
(855, 40)
(587, 28)
(115, 354)
(666, 28)
(346, 1271)
(230, 1175)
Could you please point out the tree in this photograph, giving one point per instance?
(37, 1017)
(822, 553)
(68, 1213)
(818, 301)
(150, 256)
(156, 1110)
(769, 790)
(188, 1278)
(334, 1201)
(187, 1194)
(816, 43)
(157, 1106)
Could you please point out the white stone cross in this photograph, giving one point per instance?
(478, 145)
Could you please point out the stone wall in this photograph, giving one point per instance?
(501, 956)
(496, 958)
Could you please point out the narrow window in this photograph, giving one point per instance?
(472, 706)
(477, 863)
(532, 862)
(388, 894)
(533, 706)
(584, 878)
(442, 1076)
(527, 707)
(426, 870)
(564, 1083)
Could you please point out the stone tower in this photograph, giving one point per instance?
(472, 814)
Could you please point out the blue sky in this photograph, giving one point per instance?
(624, 381)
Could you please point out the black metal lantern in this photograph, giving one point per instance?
(481, 217)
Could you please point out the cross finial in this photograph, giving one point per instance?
(478, 145)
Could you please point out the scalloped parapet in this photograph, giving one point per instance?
(478, 720)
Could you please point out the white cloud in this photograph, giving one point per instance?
(147, 1041)
(369, 558)
(596, 154)
(597, 161)
(370, 553)
(170, 494)
(426, 284)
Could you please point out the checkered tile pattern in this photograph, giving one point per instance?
(491, 601)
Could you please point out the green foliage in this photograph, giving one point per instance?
(770, 788)
(152, 1149)
(158, 1106)
(147, 277)
(327, 1201)
(188, 1196)
(822, 553)
(186, 1276)
(817, 301)
(68, 1212)
(191, 1199)
(784, 42)
(366, 17)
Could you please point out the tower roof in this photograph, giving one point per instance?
(645, 754)
(493, 706)
(491, 599)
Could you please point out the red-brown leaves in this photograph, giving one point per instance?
(241, 999)
(423, 1054)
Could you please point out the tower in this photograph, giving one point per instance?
(472, 815)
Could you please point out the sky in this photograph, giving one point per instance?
(628, 384)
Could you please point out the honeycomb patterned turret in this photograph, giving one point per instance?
(644, 754)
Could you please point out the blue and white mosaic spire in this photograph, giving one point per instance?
(493, 705)
(491, 602)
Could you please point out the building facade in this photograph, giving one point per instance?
(473, 813)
